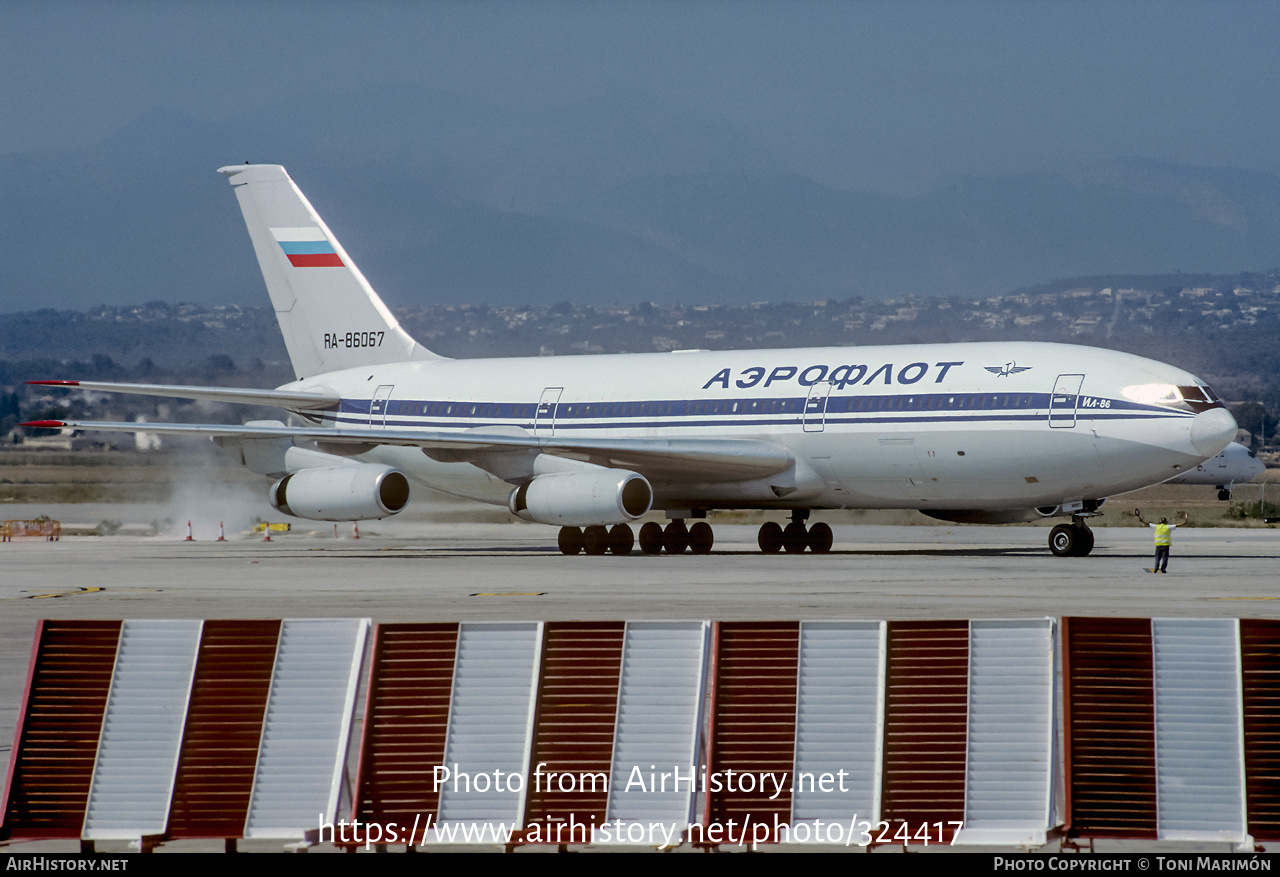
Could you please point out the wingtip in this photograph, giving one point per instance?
(55, 383)
(45, 424)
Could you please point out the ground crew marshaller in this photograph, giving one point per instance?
(1164, 539)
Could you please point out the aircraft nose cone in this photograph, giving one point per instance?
(1212, 430)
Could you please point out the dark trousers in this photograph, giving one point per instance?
(1162, 558)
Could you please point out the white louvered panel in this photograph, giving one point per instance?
(839, 721)
(142, 730)
(306, 726)
(1199, 766)
(660, 695)
(490, 721)
(1010, 750)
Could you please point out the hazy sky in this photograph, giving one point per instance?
(888, 96)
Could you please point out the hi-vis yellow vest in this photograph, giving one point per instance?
(1162, 534)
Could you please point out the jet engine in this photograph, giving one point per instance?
(356, 492)
(583, 499)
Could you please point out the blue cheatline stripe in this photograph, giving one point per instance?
(506, 414)
(987, 402)
(839, 409)
(299, 248)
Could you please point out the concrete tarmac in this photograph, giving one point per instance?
(472, 572)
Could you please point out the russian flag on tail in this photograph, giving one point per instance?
(307, 247)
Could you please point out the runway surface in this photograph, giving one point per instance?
(465, 572)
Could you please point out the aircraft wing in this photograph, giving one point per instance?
(710, 459)
(285, 398)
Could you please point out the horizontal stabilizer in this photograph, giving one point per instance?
(288, 399)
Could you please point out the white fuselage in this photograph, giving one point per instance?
(930, 426)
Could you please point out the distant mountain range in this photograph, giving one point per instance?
(594, 205)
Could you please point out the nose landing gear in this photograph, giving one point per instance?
(1071, 540)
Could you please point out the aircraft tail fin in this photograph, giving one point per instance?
(329, 315)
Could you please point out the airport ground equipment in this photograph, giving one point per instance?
(42, 528)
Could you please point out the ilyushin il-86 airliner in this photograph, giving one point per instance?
(972, 433)
(1235, 464)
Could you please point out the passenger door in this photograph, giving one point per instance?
(815, 407)
(378, 406)
(1064, 400)
(544, 419)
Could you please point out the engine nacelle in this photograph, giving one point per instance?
(583, 499)
(357, 492)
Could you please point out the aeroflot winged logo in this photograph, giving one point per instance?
(1009, 368)
(307, 247)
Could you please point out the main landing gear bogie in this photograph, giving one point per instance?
(1071, 540)
(795, 538)
(617, 539)
(677, 538)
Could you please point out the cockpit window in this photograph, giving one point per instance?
(1194, 397)
(1199, 398)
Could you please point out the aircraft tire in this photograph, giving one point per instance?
(820, 538)
(621, 539)
(1084, 542)
(675, 538)
(651, 538)
(1224, 495)
(770, 537)
(1062, 540)
(595, 540)
(569, 540)
(795, 538)
(701, 538)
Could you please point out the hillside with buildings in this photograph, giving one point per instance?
(1223, 328)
